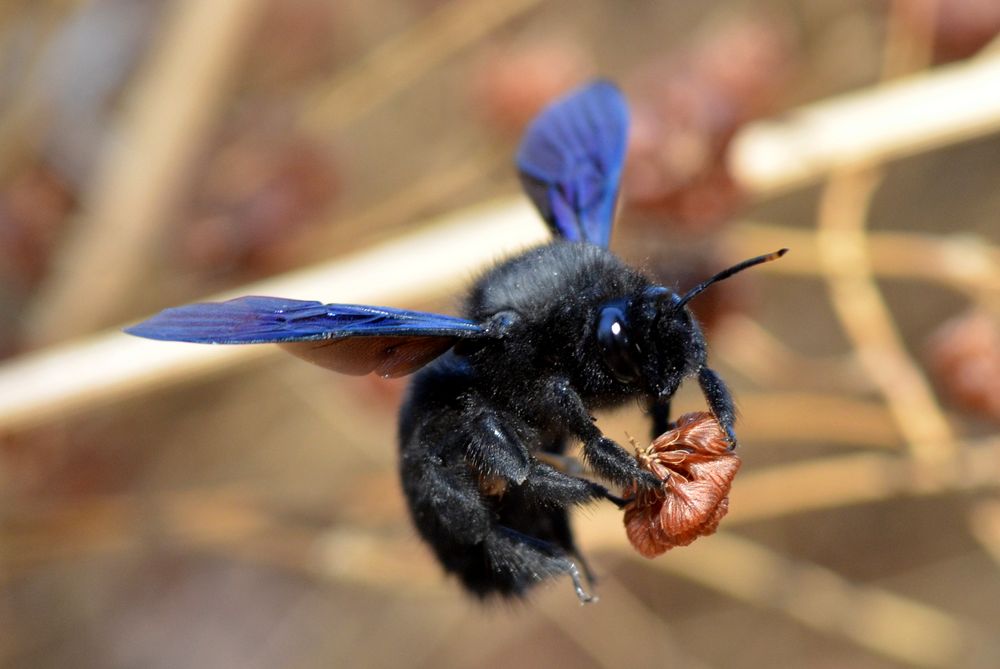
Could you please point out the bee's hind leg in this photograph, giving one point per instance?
(529, 560)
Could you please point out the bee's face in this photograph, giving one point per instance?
(650, 342)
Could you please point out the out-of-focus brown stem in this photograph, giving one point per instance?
(818, 419)
(225, 517)
(21, 113)
(964, 262)
(427, 262)
(858, 479)
(422, 195)
(169, 111)
(743, 343)
(889, 121)
(909, 44)
(984, 521)
(889, 624)
(857, 301)
(396, 63)
(587, 627)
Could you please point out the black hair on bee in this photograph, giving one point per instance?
(547, 337)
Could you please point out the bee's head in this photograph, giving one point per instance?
(652, 341)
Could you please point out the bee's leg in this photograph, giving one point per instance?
(605, 457)
(549, 487)
(719, 401)
(581, 594)
(529, 560)
(445, 502)
(563, 535)
(659, 411)
(570, 466)
(496, 445)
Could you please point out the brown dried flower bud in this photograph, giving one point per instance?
(964, 358)
(695, 462)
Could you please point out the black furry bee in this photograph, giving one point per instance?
(548, 337)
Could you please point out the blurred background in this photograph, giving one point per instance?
(166, 506)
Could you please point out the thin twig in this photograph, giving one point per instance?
(649, 639)
(867, 321)
(239, 515)
(395, 64)
(446, 253)
(744, 344)
(984, 521)
(438, 258)
(18, 123)
(65, 389)
(173, 105)
(883, 622)
(886, 623)
(818, 418)
(847, 267)
(908, 46)
(428, 191)
(907, 116)
(963, 261)
(860, 479)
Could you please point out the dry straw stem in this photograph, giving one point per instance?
(47, 384)
(237, 518)
(765, 418)
(649, 639)
(857, 301)
(424, 194)
(744, 344)
(909, 45)
(176, 100)
(164, 134)
(363, 86)
(881, 621)
(984, 521)
(43, 385)
(19, 121)
(964, 262)
(234, 522)
(126, 523)
(386, 71)
(399, 61)
(828, 483)
(901, 118)
(843, 219)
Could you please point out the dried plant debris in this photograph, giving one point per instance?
(513, 81)
(688, 105)
(956, 28)
(695, 462)
(963, 355)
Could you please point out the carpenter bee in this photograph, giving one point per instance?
(547, 337)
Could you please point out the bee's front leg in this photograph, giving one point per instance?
(605, 457)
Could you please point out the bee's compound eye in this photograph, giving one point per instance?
(620, 354)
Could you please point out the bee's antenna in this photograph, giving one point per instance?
(726, 273)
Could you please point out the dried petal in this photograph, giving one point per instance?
(695, 461)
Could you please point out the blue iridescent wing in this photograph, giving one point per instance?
(348, 338)
(571, 160)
